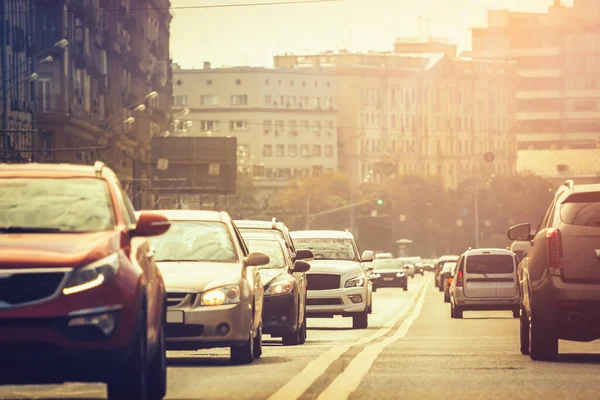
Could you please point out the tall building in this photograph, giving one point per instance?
(558, 53)
(421, 111)
(285, 120)
(103, 84)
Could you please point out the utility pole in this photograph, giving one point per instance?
(4, 68)
(476, 201)
(307, 213)
(352, 212)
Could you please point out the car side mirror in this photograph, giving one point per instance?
(151, 224)
(520, 232)
(256, 259)
(301, 266)
(304, 255)
(367, 256)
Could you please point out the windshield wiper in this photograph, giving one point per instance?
(28, 229)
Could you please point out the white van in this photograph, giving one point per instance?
(485, 279)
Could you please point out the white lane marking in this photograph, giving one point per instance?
(347, 382)
(304, 380)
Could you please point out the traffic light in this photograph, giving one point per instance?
(379, 202)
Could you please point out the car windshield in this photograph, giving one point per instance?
(448, 266)
(195, 241)
(581, 209)
(55, 205)
(271, 248)
(328, 248)
(274, 232)
(387, 264)
(490, 264)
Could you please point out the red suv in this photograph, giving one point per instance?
(81, 298)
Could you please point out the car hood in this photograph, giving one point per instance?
(334, 267)
(269, 275)
(196, 276)
(56, 250)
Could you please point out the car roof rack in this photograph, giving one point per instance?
(570, 184)
(98, 167)
(274, 223)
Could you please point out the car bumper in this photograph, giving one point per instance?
(280, 314)
(390, 282)
(327, 303)
(483, 304)
(208, 326)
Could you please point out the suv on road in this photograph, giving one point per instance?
(81, 298)
(560, 273)
(485, 279)
(337, 283)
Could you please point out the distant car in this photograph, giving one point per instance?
(410, 270)
(416, 262)
(277, 228)
(560, 276)
(383, 255)
(485, 279)
(215, 293)
(389, 273)
(438, 267)
(337, 282)
(446, 276)
(81, 298)
(284, 311)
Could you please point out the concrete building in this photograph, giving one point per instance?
(285, 120)
(420, 112)
(558, 53)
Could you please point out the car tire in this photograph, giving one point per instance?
(452, 310)
(360, 320)
(524, 332)
(157, 371)
(131, 381)
(258, 344)
(458, 313)
(405, 287)
(543, 340)
(441, 288)
(293, 338)
(370, 309)
(303, 331)
(446, 298)
(240, 355)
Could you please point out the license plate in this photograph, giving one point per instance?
(175, 317)
(388, 279)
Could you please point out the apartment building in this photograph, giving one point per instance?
(558, 53)
(285, 120)
(420, 112)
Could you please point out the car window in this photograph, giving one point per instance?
(240, 240)
(544, 223)
(461, 265)
(329, 248)
(273, 232)
(383, 263)
(195, 241)
(490, 264)
(65, 204)
(448, 266)
(272, 249)
(581, 209)
(129, 209)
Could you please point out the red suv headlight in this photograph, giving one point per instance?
(92, 275)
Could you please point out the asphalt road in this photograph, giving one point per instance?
(412, 349)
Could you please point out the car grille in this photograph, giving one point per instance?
(180, 299)
(21, 288)
(324, 302)
(389, 275)
(322, 281)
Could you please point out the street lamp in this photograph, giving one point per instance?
(141, 107)
(129, 121)
(152, 95)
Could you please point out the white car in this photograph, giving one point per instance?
(337, 281)
(485, 279)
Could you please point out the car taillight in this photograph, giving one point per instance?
(459, 279)
(554, 243)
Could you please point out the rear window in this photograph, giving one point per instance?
(490, 264)
(581, 209)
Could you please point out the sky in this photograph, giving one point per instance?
(253, 35)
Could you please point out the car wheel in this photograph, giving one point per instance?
(303, 331)
(446, 298)
(242, 354)
(441, 288)
(130, 381)
(157, 370)
(258, 344)
(524, 332)
(452, 310)
(360, 320)
(293, 338)
(458, 313)
(543, 341)
(405, 287)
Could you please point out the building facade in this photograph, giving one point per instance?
(420, 113)
(285, 120)
(106, 88)
(558, 53)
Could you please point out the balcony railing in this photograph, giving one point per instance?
(17, 146)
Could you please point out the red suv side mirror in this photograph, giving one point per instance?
(151, 224)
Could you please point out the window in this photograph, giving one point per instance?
(267, 150)
(316, 150)
(209, 100)
(329, 150)
(317, 102)
(317, 126)
(238, 125)
(393, 120)
(303, 126)
(267, 125)
(42, 92)
(278, 126)
(292, 150)
(328, 102)
(581, 209)
(293, 125)
(490, 264)
(239, 100)
(317, 170)
(180, 100)
(329, 125)
(291, 101)
(280, 150)
(303, 101)
(304, 150)
(206, 126)
(268, 100)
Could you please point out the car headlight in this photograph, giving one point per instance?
(400, 274)
(92, 275)
(377, 276)
(229, 294)
(359, 281)
(280, 287)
